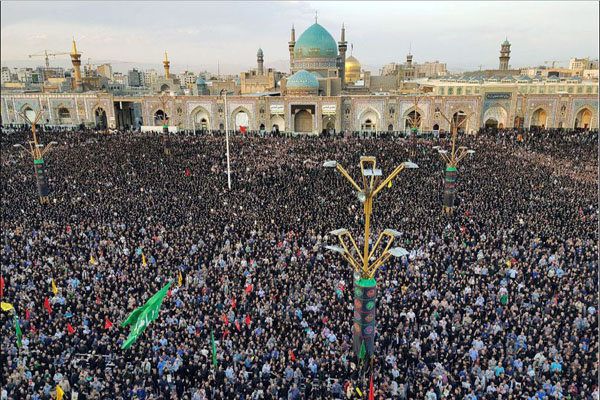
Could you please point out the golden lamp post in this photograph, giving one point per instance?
(164, 99)
(37, 151)
(452, 160)
(365, 263)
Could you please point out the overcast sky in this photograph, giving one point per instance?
(197, 35)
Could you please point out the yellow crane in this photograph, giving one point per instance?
(47, 56)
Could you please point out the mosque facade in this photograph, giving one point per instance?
(327, 91)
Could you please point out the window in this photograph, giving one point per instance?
(476, 90)
(570, 89)
(579, 89)
(392, 110)
(450, 91)
(458, 91)
(542, 89)
(468, 91)
(588, 89)
(442, 91)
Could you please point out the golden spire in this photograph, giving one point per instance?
(166, 64)
(74, 47)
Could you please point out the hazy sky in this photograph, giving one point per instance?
(198, 34)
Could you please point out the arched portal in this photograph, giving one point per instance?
(29, 113)
(100, 117)
(412, 118)
(369, 120)
(539, 118)
(165, 88)
(583, 119)
(160, 117)
(64, 116)
(496, 113)
(458, 120)
(329, 123)
(200, 120)
(303, 121)
(241, 119)
(262, 127)
(436, 127)
(390, 128)
(277, 121)
(491, 123)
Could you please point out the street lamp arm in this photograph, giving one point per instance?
(373, 269)
(445, 157)
(389, 244)
(347, 255)
(389, 178)
(348, 177)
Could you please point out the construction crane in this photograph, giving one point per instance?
(47, 55)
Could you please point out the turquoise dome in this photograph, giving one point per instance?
(200, 81)
(239, 81)
(303, 80)
(315, 42)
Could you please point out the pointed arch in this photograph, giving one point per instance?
(369, 119)
(234, 118)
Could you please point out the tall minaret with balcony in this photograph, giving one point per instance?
(291, 45)
(260, 62)
(504, 55)
(76, 61)
(166, 64)
(342, 47)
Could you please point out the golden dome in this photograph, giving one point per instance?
(352, 70)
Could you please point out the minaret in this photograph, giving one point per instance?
(504, 55)
(342, 47)
(259, 61)
(291, 45)
(166, 63)
(409, 56)
(76, 61)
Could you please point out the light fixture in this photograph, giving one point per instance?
(470, 151)
(361, 196)
(373, 172)
(398, 252)
(392, 232)
(337, 249)
(330, 164)
(410, 164)
(340, 231)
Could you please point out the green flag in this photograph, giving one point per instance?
(141, 317)
(214, 347)
(18, 331)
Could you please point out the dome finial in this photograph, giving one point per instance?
(351, 48)
(316, 16)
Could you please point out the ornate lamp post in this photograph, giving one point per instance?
(452, 161)
(37, 151)
(365, 263)
(166, 137)
(227, 138)
(414, 121)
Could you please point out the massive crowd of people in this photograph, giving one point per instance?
(497, 300)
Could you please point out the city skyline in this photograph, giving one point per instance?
(129, 34)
